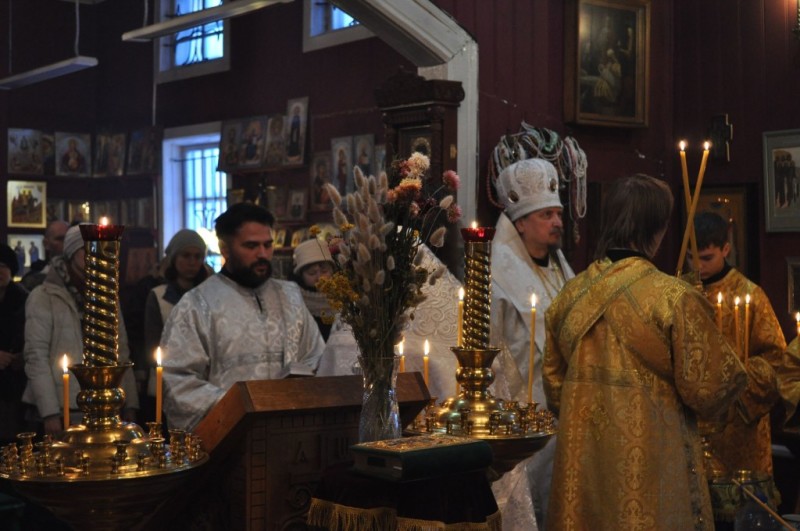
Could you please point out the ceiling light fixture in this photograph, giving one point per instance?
(197, 18)
(43, 73)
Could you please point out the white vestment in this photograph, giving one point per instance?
(221, 333)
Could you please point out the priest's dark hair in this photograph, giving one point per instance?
(237, 215)
(711, 229)
(634, 216)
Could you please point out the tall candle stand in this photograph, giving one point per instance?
(514, 431)
(103, 473)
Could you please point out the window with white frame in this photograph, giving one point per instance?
(326, 25)
(194, 192)
(193, 52)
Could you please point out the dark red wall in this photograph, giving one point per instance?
(707, 57)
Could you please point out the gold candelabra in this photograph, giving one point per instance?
(514, 431)
(104, 473)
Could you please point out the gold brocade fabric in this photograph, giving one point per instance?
(745, 443)
(336, 517)
(632, 356)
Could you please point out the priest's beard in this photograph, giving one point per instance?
(246, 275)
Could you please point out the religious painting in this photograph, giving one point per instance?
(25, 151)
(27, 204)
(73, 154)
(235, 196)
(296, 126)
(79, 212)
(48, 152)
(276, 141)
(782, 180)
(607, 62)
(342, 159)
(56, 210)
(364, 153)
(277, 202)
(297, 204)
(731, 204)
(229, 146)
(320, 173)
(279, 240)
(251, 142)
(380, 158)
(109, 158)
(793, 272)
(298, 236)
(29, 249)
(144, 151)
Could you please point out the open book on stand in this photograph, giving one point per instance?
(419, 457)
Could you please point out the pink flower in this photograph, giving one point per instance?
(453, 213)
(451, 180)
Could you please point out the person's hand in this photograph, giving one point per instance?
(5, 359)
(53, 425)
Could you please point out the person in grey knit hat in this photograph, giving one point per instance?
(184, 268)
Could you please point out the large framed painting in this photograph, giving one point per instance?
(25, 151)
(73, 154)
(296, 125)
(320, 173)
(342, 160)
(607, 62)
(27, 204)
(29, 248)
(782, 180)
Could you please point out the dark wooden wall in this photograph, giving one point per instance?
(707, 57)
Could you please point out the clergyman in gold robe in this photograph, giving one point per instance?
(744, 442)
(633, 356)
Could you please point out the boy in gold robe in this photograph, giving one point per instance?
(633, 356)
(743, 442)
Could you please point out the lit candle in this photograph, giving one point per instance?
(719, 311)
(477, 234)
(532, 349)
(687, 194)
(687, 234)
(159, 375)
(65, 377)
(402, 356)
(736, 302)
(425, 362)
(460, 318)
(746, 326)
(797, 318)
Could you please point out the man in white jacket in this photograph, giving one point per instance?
(526, 261)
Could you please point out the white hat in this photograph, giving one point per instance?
(527, 186)
(73, 241)
(311, 252)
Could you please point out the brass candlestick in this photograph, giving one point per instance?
(514, 431)
(104, 473)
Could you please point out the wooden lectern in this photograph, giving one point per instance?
(270, 441)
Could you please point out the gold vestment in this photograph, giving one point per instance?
(744, 443)
(632, 356)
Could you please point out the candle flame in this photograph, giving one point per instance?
(400, 346)
(682, 145)
(533, 301)
(706, 145)
(461, 294)
(104, 221)
(747, 299)
(474, 225)
(158, 356)
(719, 298)
(64, 363)
(797, 316)
(427, 347)
(736, 301)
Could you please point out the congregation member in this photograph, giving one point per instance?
(53, 315)
(633, 357)
(239, 324)
(744, 441)
(12, 339)
(53, 243)
(312, 261)
(184, 268)
(526, 260)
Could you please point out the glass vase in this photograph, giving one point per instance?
(380, 414)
